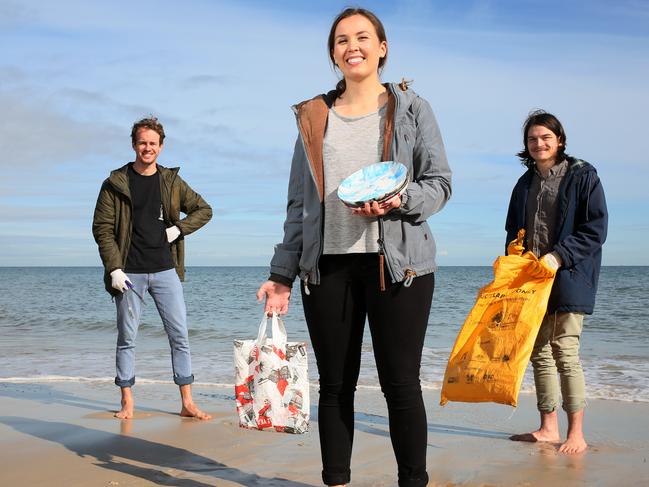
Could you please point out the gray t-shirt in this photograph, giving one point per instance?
(350, 143)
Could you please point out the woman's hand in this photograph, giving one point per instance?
(277, 297)
(375, 209)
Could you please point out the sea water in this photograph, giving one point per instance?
(58, 324)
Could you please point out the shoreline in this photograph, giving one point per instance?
(431, 389)
(64, 433)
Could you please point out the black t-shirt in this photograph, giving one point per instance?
(149, 252)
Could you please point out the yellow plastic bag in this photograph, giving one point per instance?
(493, 347)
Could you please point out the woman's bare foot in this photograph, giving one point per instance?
(128, 404)
(191, 411)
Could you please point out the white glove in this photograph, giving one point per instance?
(553, 260)
(119, 280)
(172, 233)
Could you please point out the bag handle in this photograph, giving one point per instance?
(278, 330)
(261, 335)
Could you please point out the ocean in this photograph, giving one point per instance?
(58, 324)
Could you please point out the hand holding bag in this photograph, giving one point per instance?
(271, 383)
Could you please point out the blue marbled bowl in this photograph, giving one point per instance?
(376, 182)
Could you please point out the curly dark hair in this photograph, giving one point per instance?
(150, 123)
(380, 32)
(550, 122)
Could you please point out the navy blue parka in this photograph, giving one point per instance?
(580, 232)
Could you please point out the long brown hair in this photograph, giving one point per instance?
(341, 86)
(550, 122)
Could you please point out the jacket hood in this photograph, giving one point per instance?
(118, 178)
(575, 167)
(404, 97)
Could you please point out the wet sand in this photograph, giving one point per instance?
(62, 433)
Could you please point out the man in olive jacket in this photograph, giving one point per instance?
(140, 235)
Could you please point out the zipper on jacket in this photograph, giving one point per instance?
(383, 260)
(130, 233)
(588, 181)
(321, 243)
(320, 249)
(565, 201)
(171, 185)
(169, 190)
(565, 186)
(167, 215)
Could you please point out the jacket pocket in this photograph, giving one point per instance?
(418, 247)
(581, 276)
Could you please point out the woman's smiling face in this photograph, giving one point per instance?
(357, 49)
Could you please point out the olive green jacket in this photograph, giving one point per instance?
(112, 225)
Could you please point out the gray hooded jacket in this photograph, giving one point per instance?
(411, 137)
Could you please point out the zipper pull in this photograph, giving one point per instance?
(410, 275)
(306, 285)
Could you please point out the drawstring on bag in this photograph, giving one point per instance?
(410, 276)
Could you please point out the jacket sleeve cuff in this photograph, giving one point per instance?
(281, 279)
(179, 226)
(565, 258)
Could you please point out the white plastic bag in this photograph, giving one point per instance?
(271, 384)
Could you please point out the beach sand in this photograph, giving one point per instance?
(64, 434)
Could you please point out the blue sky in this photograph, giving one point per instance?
(221, 76)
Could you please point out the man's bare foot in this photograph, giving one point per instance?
(125, 413)
(127, 404)
(191, 411)
(548, 431)
(575, 442)
(537, 436)
(573, 445)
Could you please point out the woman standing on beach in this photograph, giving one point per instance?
(374, 262)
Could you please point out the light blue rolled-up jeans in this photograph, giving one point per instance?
(167, 293)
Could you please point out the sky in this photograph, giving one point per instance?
(222, 76)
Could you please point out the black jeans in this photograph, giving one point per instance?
(335, 312)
